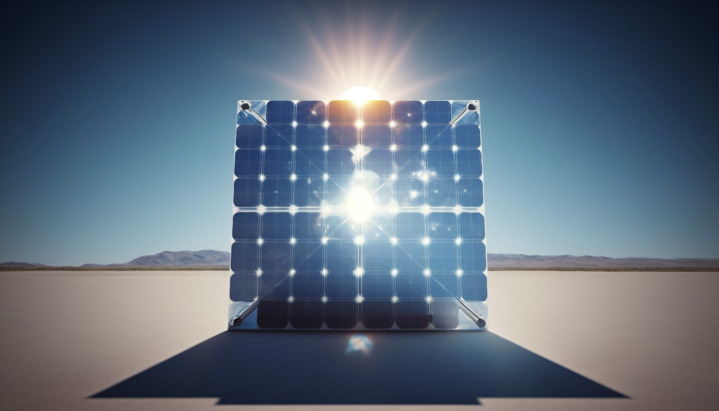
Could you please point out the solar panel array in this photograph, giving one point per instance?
(358, 216)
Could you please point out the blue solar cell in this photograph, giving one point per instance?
(377, 256)
(248, 163)
(442, 226)
(339, 163)
(342, 111)
(412, 284)
(442, 257)
(410, 226)
(342, 136)
(439, 136)
(310, 136)
(276, 191)
(341, 314)
(243, 287)
(310, 163)
(379, 161)
(278, 137)
(441, 192)
(276, 227)
(444, 285)
(341, 257)
(308, 257)
(310, 112)
(474, 287)
(308, 226)
(281, 112)
(273, 314)
(410, 256)
(469, 163)
(245, 257)
(308, 192)
(249, 136)
(441, 162)
(378, 314)
(437, 112)
(245, 226)
(376, 136)
(377, 284)
(412, 314)
(470, 192)
(473, 256)
(274, 286)
(467, 136)
(306, 314)
(408, 112)
(471, 225)
(340, 285)
(307, 284)
(276, 257)
(277, 163)
(408, 135)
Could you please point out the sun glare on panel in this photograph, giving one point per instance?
(360, 205)
(359, 95)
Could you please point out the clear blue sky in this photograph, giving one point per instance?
(600, 121)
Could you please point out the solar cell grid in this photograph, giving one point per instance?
(353, 216)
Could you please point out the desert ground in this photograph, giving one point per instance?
(595, 340)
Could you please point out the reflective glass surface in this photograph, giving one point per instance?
(354, 216)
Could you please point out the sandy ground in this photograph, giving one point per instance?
(65, 336)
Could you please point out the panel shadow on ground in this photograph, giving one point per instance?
(265, 367)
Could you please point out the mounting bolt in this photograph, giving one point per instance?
(236, 321)
(245, 106)
(471, 106)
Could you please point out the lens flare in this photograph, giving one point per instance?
(359, 95)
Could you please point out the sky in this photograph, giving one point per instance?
(599, 120)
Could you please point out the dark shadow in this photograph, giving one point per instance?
(264, 367)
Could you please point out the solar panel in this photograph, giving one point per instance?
(354, 216)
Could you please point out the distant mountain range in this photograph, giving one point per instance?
(213, 259)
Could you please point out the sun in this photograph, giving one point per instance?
(359, 95)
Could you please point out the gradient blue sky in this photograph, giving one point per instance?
(117, 123)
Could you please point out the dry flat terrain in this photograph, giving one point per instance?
(559, 340)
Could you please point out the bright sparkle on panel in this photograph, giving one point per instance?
(324, 240)
(260, 241)
(459, 272)
(324, 298)
(359, 299)
(358, 272)
(457, 209)
(424, 124)
(292, 272)
(426, 241)
(263, 147)
(294, 124)
(293, 209)
(325, 176)
(394, 272)
(326, 147)
(262, 177)
(293, 147)
(261, 209)
(393, 176)
(394, 299)
(456, 177)
(426, 272)
(359, 123)
(324, 272)
(293, 177)
(325, 124)
(392, 124)
(359, 240)
(455, 148)
(428, 299)
(359, 205)
(393, 240)
(293, 240)
(258, 272)
(458, 240)
(425, 148)
(425, 209)
(393, 147)
(290, 299)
